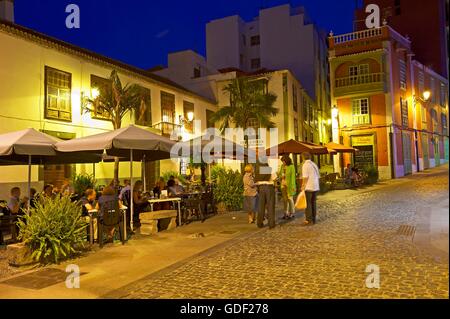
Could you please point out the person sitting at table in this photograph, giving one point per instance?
(108, 198)
(88, 204)
(125, 188)
(171, 178)
(172, 190)
(140, 202)
(159, 186)
(348, 175)
(88, 200)
(66, 188)
(178, 187)
(14, 201)
(48, 192)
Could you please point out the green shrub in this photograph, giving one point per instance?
(371, 174)
(228, 187)
(81, 182)
(54, 230)
(180, 177)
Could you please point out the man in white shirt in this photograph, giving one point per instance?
(310, 184)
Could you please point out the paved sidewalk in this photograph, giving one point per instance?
(165, 255)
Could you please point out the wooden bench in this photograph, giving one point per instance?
(151, 220)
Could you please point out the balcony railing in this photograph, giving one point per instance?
(369, 33)
(167, 128)
(359, 79)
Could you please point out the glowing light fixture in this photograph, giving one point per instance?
(329, 121)
(95, 93)
(334, 112)
(426, 95)
(190, 116)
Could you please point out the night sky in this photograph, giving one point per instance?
(143, 32)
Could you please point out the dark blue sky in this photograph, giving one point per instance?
(143, 32)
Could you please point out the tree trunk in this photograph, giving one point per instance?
(116, 125)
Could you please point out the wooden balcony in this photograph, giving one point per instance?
(363, 83)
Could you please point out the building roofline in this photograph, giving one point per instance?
(42, 38)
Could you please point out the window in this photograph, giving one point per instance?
(360, 109)
(188, 110)
(363, 69)
(254, 40)
(434, 120)
(402, 66)
(444, 123)
(58, 86)
(253, 123)
(421, 83)
(209, 115)
(296, 129)
(197, 73)
(143, 116)
(244, 40)
(104, 88)
(311, 114)
(305, 109)
(433, 90)
(424, 114)
(256, 63)
(397, 7)
(167, 107)
(443, 95)
(404, 110)
(294, 98)
(241, 60)
(353, 70)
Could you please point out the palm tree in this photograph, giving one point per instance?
(249, 100)
(113, 102)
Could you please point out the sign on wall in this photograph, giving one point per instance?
(365, 155)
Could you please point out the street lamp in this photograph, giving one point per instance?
(426, 95)
(190, 116)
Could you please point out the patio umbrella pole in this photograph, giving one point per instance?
(144, 173)
(29, 183)
(131, 190)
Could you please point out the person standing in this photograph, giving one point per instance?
(266, 192)
(250, 192)
(310, 185)
(288, 186)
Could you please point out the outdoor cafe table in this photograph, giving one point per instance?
(91, 222)
(174, 200)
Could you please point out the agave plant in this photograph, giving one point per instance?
(53, 230)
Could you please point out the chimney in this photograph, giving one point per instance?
(7, 10)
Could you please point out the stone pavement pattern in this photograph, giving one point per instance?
(327, 260)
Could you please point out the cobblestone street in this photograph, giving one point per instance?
(327, 260)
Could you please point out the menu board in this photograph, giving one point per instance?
(364, 157)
